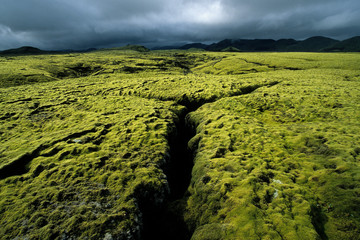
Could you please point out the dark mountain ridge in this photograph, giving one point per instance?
(312, 44)
(28, 50)
(25, 50)
(348, 45)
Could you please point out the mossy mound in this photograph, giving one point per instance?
(279, 163)
(91, 165)
(231, 49)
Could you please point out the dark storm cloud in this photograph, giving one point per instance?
(62, 24)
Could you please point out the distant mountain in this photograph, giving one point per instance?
(284, 44)
(194, 45)
(166, 47)
(348, 45)
(221, 45)
(26, 50)
(77, 51)
(313, 44)
(245, 45)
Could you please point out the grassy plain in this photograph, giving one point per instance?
(86, 142)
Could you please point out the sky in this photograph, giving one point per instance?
(83, 24)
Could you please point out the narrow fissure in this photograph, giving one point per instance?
(179, 171)
(17, 167)
(167, 222)
(318, 220)
(271, 66)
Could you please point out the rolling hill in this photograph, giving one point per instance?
(25, 50)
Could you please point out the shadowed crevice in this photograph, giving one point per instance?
(167, 221)
(318, 220)
(272, 66)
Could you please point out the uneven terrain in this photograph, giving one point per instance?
(122, 144)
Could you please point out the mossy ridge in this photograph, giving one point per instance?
(77, 177)
(268, 164)
(198, 91)
(23, 70)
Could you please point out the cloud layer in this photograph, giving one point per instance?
(81, 24)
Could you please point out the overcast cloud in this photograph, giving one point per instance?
(81, 24)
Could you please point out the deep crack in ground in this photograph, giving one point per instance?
(167, 221)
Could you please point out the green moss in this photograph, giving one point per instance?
(209, 231)
(275, 150)
(279, 147)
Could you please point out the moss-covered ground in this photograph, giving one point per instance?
(87, 145)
